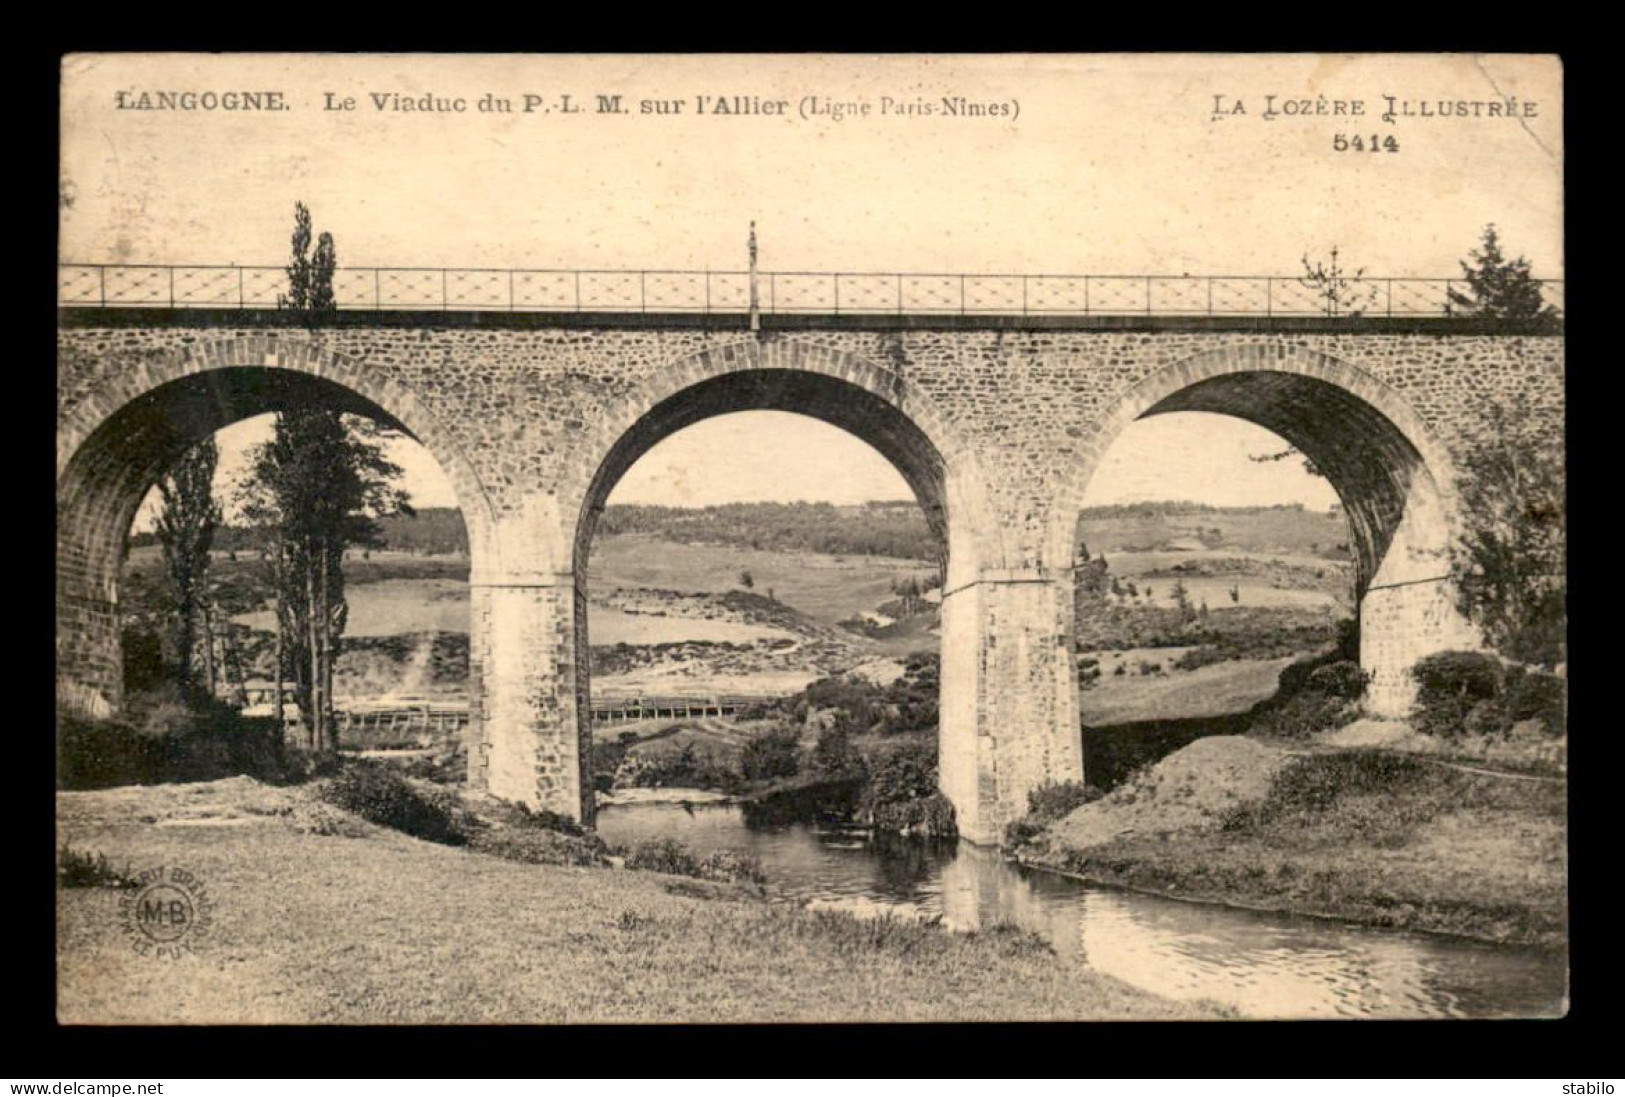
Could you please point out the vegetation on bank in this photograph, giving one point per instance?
(1370, 837)
(873, 746)
(386, 797)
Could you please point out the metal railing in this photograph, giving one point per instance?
(780, 292)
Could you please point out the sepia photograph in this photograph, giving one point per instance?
(575, 539)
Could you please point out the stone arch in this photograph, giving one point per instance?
(875, 404)
(1394, 477)
(116, 441)
(538, 704)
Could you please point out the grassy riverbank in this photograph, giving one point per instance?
(1361, 835)
(377, 927)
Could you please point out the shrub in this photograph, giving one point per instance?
(834, 756)
(1487, 719)
(1020, 831)
(537, 846)
(675, 859)
(1088, 672)
(1450, 684)
(1459, 673)
(380, 795)
(732, 867)
(773, 754)
(902, 792)
(1343, 678)
(83, 869)
(688, 767)
(447, 767)
(1014, 940)
(932, 816)
(547, 819)
(666, 855)
(1054, 800)
(1049, 802)
(607, 759)
(1536, 696)
(94, 753)
(161, 738)
(1200, 656)
(1302, 715)
(1309, 786)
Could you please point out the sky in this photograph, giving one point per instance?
(1104, 164)
(737, 459)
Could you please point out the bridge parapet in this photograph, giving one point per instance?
(782, 293)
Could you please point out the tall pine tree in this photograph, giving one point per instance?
(1502, 290)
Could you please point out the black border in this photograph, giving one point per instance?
(1577, 1046)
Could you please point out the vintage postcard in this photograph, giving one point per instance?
(563, 539)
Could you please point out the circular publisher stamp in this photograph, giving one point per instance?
(167, 913)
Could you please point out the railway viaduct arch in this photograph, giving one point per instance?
(997, 424)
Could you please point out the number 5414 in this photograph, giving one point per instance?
(1343, 142)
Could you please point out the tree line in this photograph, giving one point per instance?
(785, 527)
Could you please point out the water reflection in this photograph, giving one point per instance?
(1265, 965)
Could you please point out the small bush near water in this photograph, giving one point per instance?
(1308, 787)
(1048, 803)
(774, 754)
(83, 869)
(856, 935)
(902, 792)
(675, 859)
(381, 795)
(540, 846)
(689, 767)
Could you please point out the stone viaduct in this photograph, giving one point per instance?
(996, 422)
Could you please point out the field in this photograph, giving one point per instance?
(1232, 686)
(1148, 527)
(827, 588)
(310, 927)
(676, 617)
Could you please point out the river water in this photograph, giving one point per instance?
(1264, 965)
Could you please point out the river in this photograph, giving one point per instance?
(1264, 965)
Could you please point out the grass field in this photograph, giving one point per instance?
(385, 929)
(1214, 690)
(1271, 530)
(828, 588)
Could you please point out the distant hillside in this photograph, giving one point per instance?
(432, 531)
(1155, 527)
(894, 529)
(879, 529)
